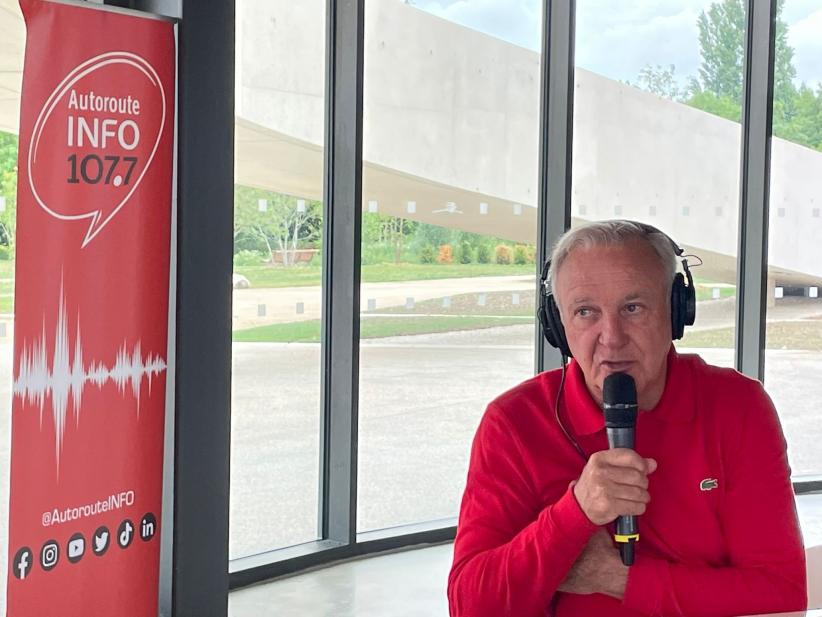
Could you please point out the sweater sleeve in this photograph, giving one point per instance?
(511, 552)
(766, 560)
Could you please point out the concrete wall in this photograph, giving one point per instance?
(452, 108)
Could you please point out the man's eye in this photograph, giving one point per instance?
(632, 308)
(583, 312)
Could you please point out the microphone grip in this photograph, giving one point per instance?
(627, 528)
(627, 533)
(621, 437)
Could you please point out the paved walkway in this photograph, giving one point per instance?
(288, 304)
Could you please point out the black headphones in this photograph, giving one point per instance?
(683, 301)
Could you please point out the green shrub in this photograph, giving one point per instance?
(483, 254)
(427, 254)
(5, 252)
(376, 254)
(465, 252)
(520, 255)
(503, 255)
(249, 258)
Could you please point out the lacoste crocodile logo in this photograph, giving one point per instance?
(708, 484)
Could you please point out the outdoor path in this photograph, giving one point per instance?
(721, 313)
(281, 304)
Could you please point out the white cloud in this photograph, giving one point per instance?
(516, 21)
(805, 36)
(617, 39)
(620, 47)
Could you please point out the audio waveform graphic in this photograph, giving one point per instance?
(67, 374)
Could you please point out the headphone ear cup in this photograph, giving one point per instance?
(690, 304)
(679, 307)
(546, 327)
(555, 333)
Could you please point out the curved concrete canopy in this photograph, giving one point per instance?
(451, 118)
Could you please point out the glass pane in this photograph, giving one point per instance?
(12, 44)
(449, 228)
(794, 309)
(276, 307)
(657, 139)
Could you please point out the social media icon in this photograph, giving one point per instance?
(76, 548)
(101, 541)
(21, 565)
(125, 533)
(49, 555)
(148, 527)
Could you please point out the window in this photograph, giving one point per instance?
(277, 275)
(794, 309)
(450, 152)
(11, 63)
(657, 122)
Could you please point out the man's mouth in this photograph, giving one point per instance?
(617, 366)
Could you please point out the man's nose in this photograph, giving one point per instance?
(612, 331)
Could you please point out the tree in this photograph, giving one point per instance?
(8, 187)
(661, 81)
(722, 106)
(281, 221)
(395, 231)
(722, 49)
(804, 123)
(717, 89)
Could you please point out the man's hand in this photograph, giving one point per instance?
(598, 569)
(614, 483)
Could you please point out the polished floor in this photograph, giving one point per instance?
(404, 584)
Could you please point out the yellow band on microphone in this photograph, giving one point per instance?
(634, 537)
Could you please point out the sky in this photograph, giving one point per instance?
(618, 38)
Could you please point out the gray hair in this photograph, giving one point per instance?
(614, 233)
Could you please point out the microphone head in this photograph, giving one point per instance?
(619, 401)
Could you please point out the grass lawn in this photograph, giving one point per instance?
(6, 286)
(304, 276)
(797, 335)
(374, 327)
(704, 289)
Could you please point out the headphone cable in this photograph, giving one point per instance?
(557, 414)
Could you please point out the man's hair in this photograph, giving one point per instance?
(614, 233)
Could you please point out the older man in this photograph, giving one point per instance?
(709, 477)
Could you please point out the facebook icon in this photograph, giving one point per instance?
(22, 563)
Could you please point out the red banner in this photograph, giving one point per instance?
(91, 312)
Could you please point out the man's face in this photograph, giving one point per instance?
(615, 307)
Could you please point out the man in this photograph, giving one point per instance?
(709, 478)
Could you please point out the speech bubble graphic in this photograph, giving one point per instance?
(95, 138)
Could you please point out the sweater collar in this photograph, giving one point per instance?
(676, 405)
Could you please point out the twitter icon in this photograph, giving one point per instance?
(101, 541)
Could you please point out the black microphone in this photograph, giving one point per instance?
(619, 405)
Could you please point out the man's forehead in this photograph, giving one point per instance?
(625, 272)
(631, 259)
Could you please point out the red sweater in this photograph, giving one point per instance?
(730, 550)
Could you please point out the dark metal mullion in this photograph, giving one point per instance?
(804, 485)
(555, 143)
(342, 202)
(203, 340)
(754, 188)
